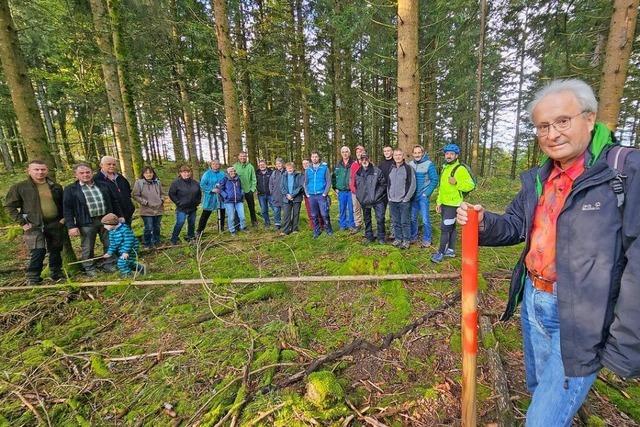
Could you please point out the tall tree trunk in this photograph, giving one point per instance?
(22, 95)
(176, 135)
(48, 122)
(245, 81)
(521, 53)
(616, 60)
(386, 119)
(112, 86)
(229, 95)
(124, 80)
(336, 74)
(61, 117)
(476, 125)
(6, 154)
(408, 75)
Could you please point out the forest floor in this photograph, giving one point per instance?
(223, 354)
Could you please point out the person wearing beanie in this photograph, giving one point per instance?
(122, 244)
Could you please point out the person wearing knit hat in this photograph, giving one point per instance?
(123, 244)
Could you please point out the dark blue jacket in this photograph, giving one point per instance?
(74, 205)
(121, 189)
(231, 190)
(597, 262)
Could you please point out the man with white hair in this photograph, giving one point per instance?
(340, 183)
(578, 277)
(118, 184)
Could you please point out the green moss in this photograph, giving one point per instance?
(99, 367)
(323, 389)
(489, 340)
(288, 355)
(630, 405)
(508, 337)
(399, 310)
(357, 265)
(455, 342)
(595, 421)
(261, 293)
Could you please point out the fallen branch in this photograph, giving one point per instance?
(361, 344)
(29, 406)
(261, 416)
(504, 411)
(245, 281)
(145, 356)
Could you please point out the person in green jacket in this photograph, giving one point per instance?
(455, 180)
(247, 174)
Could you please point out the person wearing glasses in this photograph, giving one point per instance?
(578, 277)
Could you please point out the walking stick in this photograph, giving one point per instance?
(469, 317)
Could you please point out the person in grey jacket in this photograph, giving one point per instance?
(578, 277)
(148, 192)
(401, 187)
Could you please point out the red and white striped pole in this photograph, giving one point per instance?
(469, 317)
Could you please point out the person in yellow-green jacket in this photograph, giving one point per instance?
(455, 180)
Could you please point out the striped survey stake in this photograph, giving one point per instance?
(469, 317)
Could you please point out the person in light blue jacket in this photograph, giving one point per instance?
(211, 198)
(426, 183)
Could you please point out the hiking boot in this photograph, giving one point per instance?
(437, 257)
(450, 253)
(354, 230)
(367, 241)
(425, 244)
(91, 273)
(405, 244)
(57, 275)
(397, 243)
(141, 269)
(381, 241)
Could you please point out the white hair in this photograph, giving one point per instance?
(105, 158)
(581, 90)
(345, 147)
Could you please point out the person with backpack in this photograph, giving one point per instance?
(455, 182)
(578, 276)
(426, 182)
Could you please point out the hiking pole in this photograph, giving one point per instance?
(469, 317)
(86, 260)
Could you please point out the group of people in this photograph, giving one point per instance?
(577, 212)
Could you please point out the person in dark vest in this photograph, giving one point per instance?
(36, 204)
(263, 175)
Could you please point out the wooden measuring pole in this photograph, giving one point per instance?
(469, 317)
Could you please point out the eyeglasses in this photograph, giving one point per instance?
(562, 124)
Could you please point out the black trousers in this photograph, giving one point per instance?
(448, 228)
(368, 228)
(204, 217)
(251, 204)
(39, 241)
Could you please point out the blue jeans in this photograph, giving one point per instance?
(235, 208)
(556, 397)
(265, 201)
(151, 234)
(401, 220)
(320, 209)
(181, 217)
(277, 215)
(345, 207)
(420, 203)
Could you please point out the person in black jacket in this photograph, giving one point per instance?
(578, 275)
(118, 185)
(371, 192)
(185, 193)
(263, 175)
(36, 204)
(84, 204)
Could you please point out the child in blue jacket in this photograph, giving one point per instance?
(123, 244)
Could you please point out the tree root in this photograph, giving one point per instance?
(361, 344)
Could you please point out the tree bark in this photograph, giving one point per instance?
(616, 60)
(61, 116)
(48, 122)
(408, 75)
(521, 53)
(476, 125)
(229, 95)
(176, 135)
(6, 154)
(22, 95)
(245, 81)
(112, 85)
(124, 80)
